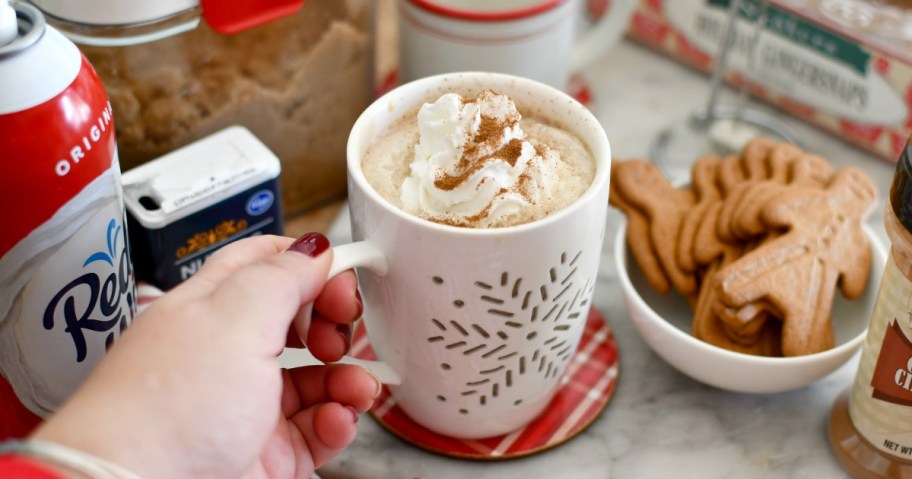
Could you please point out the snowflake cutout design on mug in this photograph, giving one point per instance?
(529, 334)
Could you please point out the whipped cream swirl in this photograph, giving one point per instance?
(473, 165)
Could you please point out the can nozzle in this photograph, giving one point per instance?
(9, 25)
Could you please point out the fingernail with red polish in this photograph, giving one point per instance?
(354, 412)
(345, 331)
(311, 244)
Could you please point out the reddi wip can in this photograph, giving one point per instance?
(66, 280)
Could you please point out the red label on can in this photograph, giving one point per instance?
(51, 152)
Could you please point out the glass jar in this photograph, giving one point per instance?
(298, 83)
(870, 425)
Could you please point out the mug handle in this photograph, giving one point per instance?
(606, 33)
(363, 255)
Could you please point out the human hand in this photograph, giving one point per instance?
(194, 389)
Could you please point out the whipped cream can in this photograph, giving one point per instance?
(66, 279)
(185, 205)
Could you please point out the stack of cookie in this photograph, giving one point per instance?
(758, 243)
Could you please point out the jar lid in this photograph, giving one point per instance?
(114, 12)
(901, 189)
(128, 22)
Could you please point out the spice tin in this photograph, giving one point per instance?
(185, 205)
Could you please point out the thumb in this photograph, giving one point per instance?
(260, 299)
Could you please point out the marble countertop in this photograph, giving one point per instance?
(659, 423)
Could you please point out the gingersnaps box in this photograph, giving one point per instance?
(185, 205)
(855, 85)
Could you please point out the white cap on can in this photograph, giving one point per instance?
(9, 26)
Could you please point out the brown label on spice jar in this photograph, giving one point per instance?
(892, 379)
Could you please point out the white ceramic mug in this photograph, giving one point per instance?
(478, 324)
(535, 39)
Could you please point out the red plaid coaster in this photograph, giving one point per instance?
(587, 386)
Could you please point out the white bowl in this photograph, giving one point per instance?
(664, 321)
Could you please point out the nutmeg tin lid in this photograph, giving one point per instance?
(196, 176)
(901, 189)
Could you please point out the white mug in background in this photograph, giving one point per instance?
(537, 39)
(478, 324)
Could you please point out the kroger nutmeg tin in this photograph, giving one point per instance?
(185, 205)
(66, 281)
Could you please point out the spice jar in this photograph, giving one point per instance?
(298, 82)
(870, 426)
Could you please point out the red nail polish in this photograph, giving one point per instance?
(354, 412)
(311, 244)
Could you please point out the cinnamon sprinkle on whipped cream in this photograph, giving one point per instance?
(473, 165)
